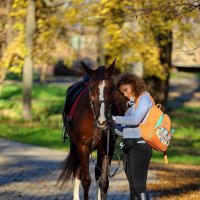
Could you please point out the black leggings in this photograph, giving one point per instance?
(136, 163)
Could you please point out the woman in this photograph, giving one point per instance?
(137, 152)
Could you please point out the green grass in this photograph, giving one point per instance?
(33, 133)
(180, 75)
(185, 144)
(45, 129)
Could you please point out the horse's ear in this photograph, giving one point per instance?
(87, 69)
(110, 69)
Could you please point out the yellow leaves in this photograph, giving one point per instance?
(107, 4)
(152, 62)
(107, 10)
(39, 3)
(13, 57)
(51, 30)
(18, 13)
(120, 39)
(19, 4)
(19, 26)
(104, 11)
(71, 15)
(40, 23)
(114, 37)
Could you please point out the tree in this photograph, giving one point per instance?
(16, 49)
(28, 65)
(4, 34)
(40, 31)
(52, 37)
(136, 31)
(131, 31)
(162, 18)
(12, 37)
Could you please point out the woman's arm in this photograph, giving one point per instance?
(118, 129)
(138, 115)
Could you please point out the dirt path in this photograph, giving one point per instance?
(181, 182)
(184, 90)
(29, 172)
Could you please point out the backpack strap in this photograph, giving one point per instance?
(152, 100)
(137, 101)
(165, 157)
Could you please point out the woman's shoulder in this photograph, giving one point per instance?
(145, 94)
(145, 97)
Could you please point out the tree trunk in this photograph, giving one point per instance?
(43, 73)
(3, 72)
(160, 93)
(28, 65)
(101, 53)
(165, 59)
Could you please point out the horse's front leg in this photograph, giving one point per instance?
(104, 182)
(84, 161)
(98, 169)
(106, 160)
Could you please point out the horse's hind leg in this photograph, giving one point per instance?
(77, 181)
(85, 179)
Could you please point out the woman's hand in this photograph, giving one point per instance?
(113, 118)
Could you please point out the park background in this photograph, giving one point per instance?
(43, 42)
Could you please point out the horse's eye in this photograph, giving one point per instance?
(91, 88)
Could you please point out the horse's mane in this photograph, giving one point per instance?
(119, 103)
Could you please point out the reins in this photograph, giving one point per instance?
(116, 171)
(109, 128)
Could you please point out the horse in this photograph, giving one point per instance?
(90, 129)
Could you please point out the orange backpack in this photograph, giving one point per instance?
(155, 129)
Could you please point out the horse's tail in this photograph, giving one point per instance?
(69, 165)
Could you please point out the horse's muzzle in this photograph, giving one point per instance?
(102, 126)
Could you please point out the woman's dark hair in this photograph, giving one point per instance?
(138, 85)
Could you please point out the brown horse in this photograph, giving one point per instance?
(90, 129)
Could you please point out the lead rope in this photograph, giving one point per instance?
(116, 171)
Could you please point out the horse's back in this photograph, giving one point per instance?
(83, 120)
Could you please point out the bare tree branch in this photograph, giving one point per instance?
(180, 8)
(188, 50)
(50, 3)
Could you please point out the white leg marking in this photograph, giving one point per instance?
(76, 189)
(102, 118)
(98, 193)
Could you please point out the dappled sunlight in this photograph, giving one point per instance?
(37, 170)
(176, 181)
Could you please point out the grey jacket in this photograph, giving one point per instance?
(127, 125)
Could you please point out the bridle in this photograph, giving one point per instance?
(107, 129)
(108, 116)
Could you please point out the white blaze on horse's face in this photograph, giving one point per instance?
(102, 117)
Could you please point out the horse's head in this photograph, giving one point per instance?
(101, 89)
